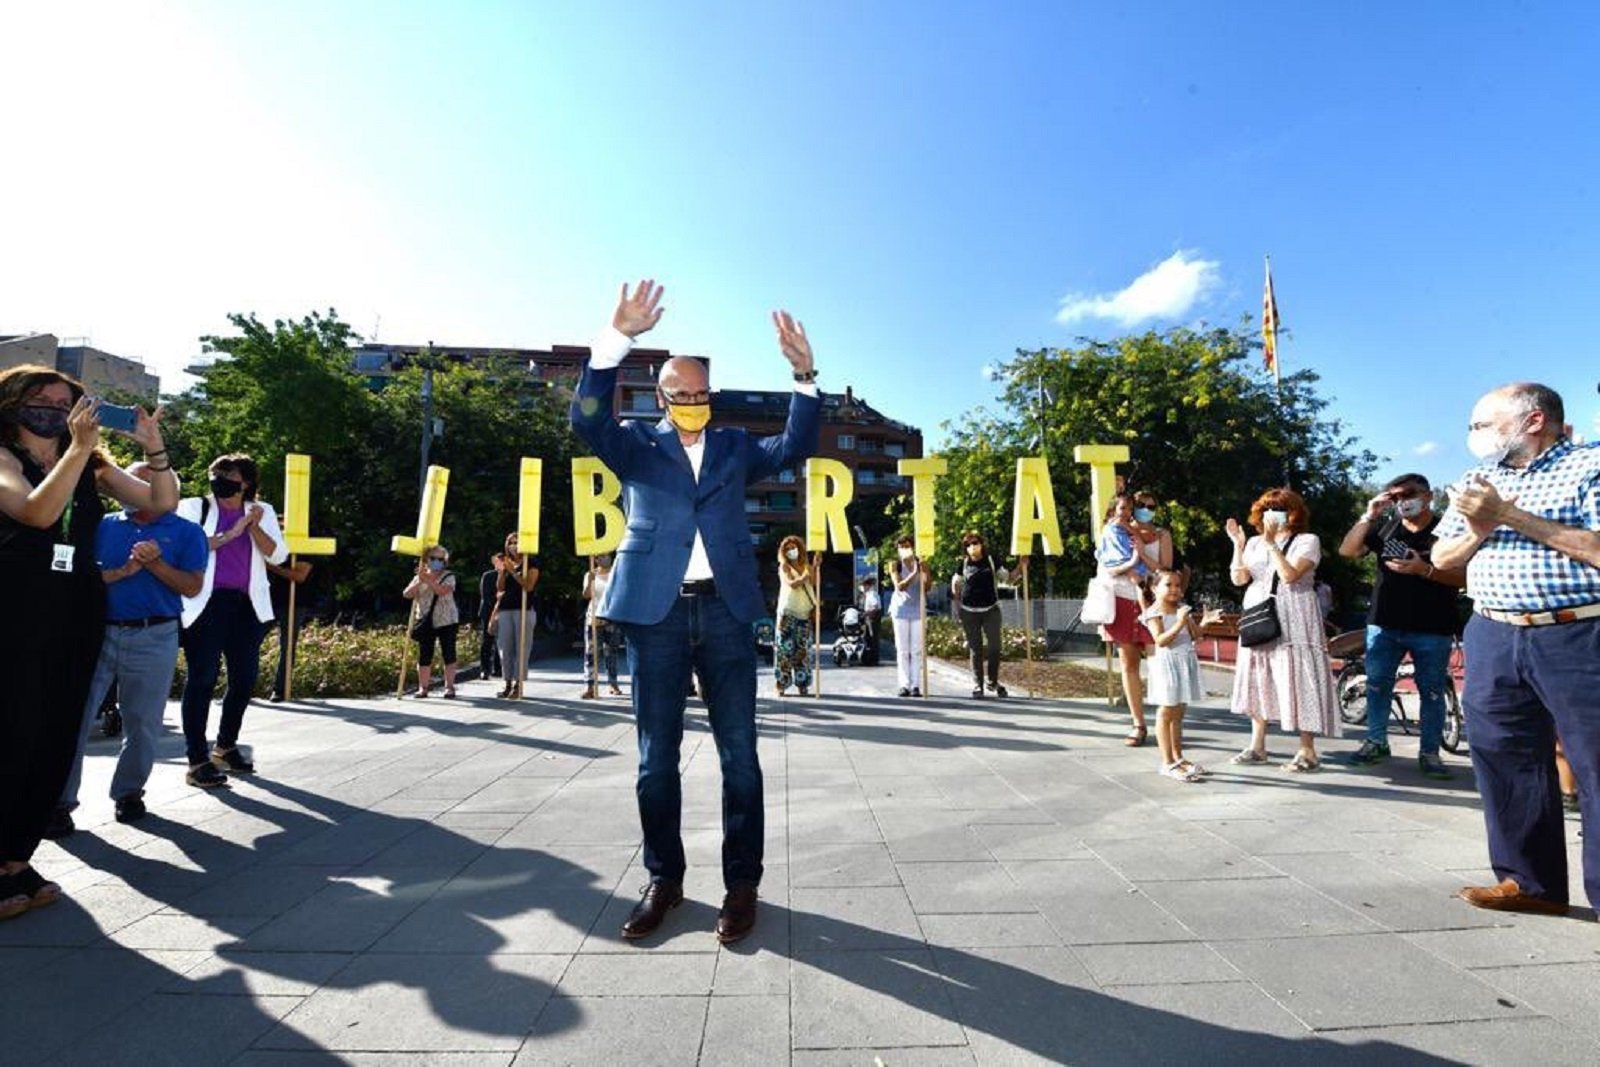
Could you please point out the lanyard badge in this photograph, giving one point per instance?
(61, 560)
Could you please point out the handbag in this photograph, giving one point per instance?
(422, 627)
(1259, 624)
(1099, 602)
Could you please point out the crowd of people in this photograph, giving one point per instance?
(113, 598)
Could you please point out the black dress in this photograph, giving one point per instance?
(50, 629)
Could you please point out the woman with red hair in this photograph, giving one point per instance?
(1288, 678)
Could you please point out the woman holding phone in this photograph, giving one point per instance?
(52, 474)
(518, 577)
(1288, 678)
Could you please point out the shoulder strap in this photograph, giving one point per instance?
(205, 509)
(1275, 569)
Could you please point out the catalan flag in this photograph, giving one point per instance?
(1269, 325)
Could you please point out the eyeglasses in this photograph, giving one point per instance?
(701, 397)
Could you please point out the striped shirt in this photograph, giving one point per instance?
(1513, 572)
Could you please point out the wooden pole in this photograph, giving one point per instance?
(922, 624)
(1027, 624)
(816, 616)
(405, 649)
(286, 653)
(594, 631)
(522, 630)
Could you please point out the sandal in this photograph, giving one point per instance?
(1302, 764)
(32, 884)
(13, 901)
(1195, 769)
(1179, 771)
(1136, 738)
(1249, 755)
(450, 693)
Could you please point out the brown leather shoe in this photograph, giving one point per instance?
(738, 915)
(1508, 896)
(659, 898)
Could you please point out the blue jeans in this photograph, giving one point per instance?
(701, 635)
(1430, 654)
(1524, 685)
(141, 662)
(226, 630)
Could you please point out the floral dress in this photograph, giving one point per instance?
(1289, 679)
(792, 655)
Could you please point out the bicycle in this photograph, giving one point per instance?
(1351, 686)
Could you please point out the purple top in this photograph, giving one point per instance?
(233, 558)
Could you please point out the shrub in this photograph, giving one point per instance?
(946, 640)
(336, 660)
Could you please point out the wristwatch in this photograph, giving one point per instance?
(806, 376)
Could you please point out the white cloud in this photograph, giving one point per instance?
(1427, 448)
(1166, 291)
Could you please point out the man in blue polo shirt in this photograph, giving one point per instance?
(149, 563)
(1526, 524)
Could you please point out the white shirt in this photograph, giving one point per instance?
(607, 353)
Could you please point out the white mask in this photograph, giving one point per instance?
(1410, 509)
(1488, 446)
(1275, 518)
(905, 553)
(793, 553)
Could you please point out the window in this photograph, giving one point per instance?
(847, 442)
(897, 449)
(781, 501)
(642, 400)
(866, 477)
(870, 445)
(752, 504)
(786, 477)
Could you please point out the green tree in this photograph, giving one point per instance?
(1206, 431)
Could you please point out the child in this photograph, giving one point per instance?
(1174, 671)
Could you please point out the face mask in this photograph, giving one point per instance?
(975, 551)
(436, 565)
(1409, 509)
(222, 488)
(690, 418)
(905, 553)
(793, 553)
(42, 420)
(1275, 517)
(1489, 446)
(1143, 514)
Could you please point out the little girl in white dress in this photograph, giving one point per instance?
(1174, 671)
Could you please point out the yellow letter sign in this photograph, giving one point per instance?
(1102, 461)
(1033, 510)
(829, 488)
(297, 510)
(528, 506)
(430, 517)
(923, 473)
(591, 503)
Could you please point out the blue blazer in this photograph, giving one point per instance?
(665, 505)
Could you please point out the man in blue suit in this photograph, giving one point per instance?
(684, 591)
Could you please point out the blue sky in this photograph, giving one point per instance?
(927, 186)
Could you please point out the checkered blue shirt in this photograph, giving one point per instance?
(1513, 572)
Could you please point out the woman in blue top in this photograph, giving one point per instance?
(1119, 559)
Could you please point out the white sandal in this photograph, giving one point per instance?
(1179, 772)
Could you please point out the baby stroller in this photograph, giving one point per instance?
(851, 644)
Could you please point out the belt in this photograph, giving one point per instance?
(1542, 618)
(703, 587)
(143, 624)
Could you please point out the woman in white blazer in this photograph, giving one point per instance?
(226, 620)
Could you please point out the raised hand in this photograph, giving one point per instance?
(1270, 528)
(793, 341)
(147, 433)
(1378, 504)
(638, 313)
(83, 423)
(1235, 532)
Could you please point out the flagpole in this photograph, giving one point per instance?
(1269, 345)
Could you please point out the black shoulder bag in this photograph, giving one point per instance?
(1259, 624)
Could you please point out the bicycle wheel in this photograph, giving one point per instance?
(1352, 689)
(1455, 723)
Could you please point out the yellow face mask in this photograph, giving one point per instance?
(690, 418)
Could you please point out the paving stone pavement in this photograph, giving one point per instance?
(949, 881)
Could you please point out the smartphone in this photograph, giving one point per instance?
(117, 417)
